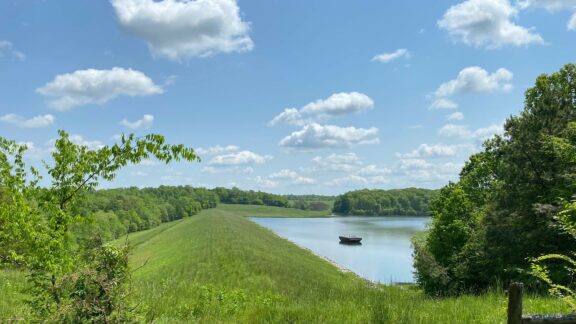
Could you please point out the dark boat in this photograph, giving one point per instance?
(350, 239)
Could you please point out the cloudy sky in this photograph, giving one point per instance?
(283, 96)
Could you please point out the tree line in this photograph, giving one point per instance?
(504, 210)
(403, 202)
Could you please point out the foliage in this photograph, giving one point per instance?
(410, 202)
(237, 196)
(500, 213)
(35, 222)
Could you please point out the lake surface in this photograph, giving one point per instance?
(385, 254)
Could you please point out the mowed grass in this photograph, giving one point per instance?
(220, 267)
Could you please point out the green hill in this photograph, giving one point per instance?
(219, 267)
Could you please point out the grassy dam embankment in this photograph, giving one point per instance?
(219, 267)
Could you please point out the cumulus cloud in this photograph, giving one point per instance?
(183, 29)
(476, 79)
(7, 49)
(145, 123)
(218, 149)
(338, 104)
(487, 23)
(572, 22)
(388, 57)
(456, 116)
(437, 150)
(550, 5)
(354, 180)
(443, 103)
(92, 86)
(241, 158)
(316, 136)
(373, 170)
(461, 131)
(346, 162)
(34, 122)
(293, 176)
(265, 183)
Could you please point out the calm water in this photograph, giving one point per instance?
(385, 254)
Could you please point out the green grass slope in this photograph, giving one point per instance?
(220, 267)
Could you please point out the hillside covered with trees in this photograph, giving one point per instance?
(503, 212)
(409, 202)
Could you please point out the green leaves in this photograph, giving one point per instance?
(35, 222)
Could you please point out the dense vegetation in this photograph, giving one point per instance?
(501, 213)
(311, 202)
(410, 202)
(218, 267)
(237, 196)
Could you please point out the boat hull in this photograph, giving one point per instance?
(350, 240)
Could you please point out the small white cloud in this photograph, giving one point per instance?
(215, 150)
(241, 158)
(316, 136)
(572, 22)
(437, 150)
(476, 79)
(550, 5)
(265, 183)
(451, 130)
(373, 170)
(138, 174)
(338, 162)
(486, 23)
(145, 123)
(183, 29)
(442, 103)
(388, 57)
(338, 104)
(7, 49)
(456, 116)
(353, 180)
(34, 122)
(92, 86)
(293, 176)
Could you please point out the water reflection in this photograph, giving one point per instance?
(385, 254)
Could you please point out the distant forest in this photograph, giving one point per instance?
(404, 202)
(114, 212)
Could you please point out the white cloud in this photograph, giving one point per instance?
(414, 164)
(451, 130)
(388, 57)
(487, 23)
(338, 162)
(293, 176)
(316, 136)
(456, 116)
(476, 79)
(34, 122)
(183, 29)
(220, 169)
(239, 159)
(144, 123)
(437, 150)
(97, 87)
(572, 22)
(7, 49)
(442, 103)
(216, 150)
(373, 170)
(138, 174)
(338, 104)
(266, 183)
(353, 180)
(79, 140)
(550, 5)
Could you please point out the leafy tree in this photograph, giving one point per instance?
(410, 201)
(512, 192)
(35, 222)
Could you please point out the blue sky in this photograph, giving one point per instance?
(281, 96)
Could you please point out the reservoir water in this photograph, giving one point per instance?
(385, 255)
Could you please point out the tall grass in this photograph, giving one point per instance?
(219, 267)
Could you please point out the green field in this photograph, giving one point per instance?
(220, 267)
